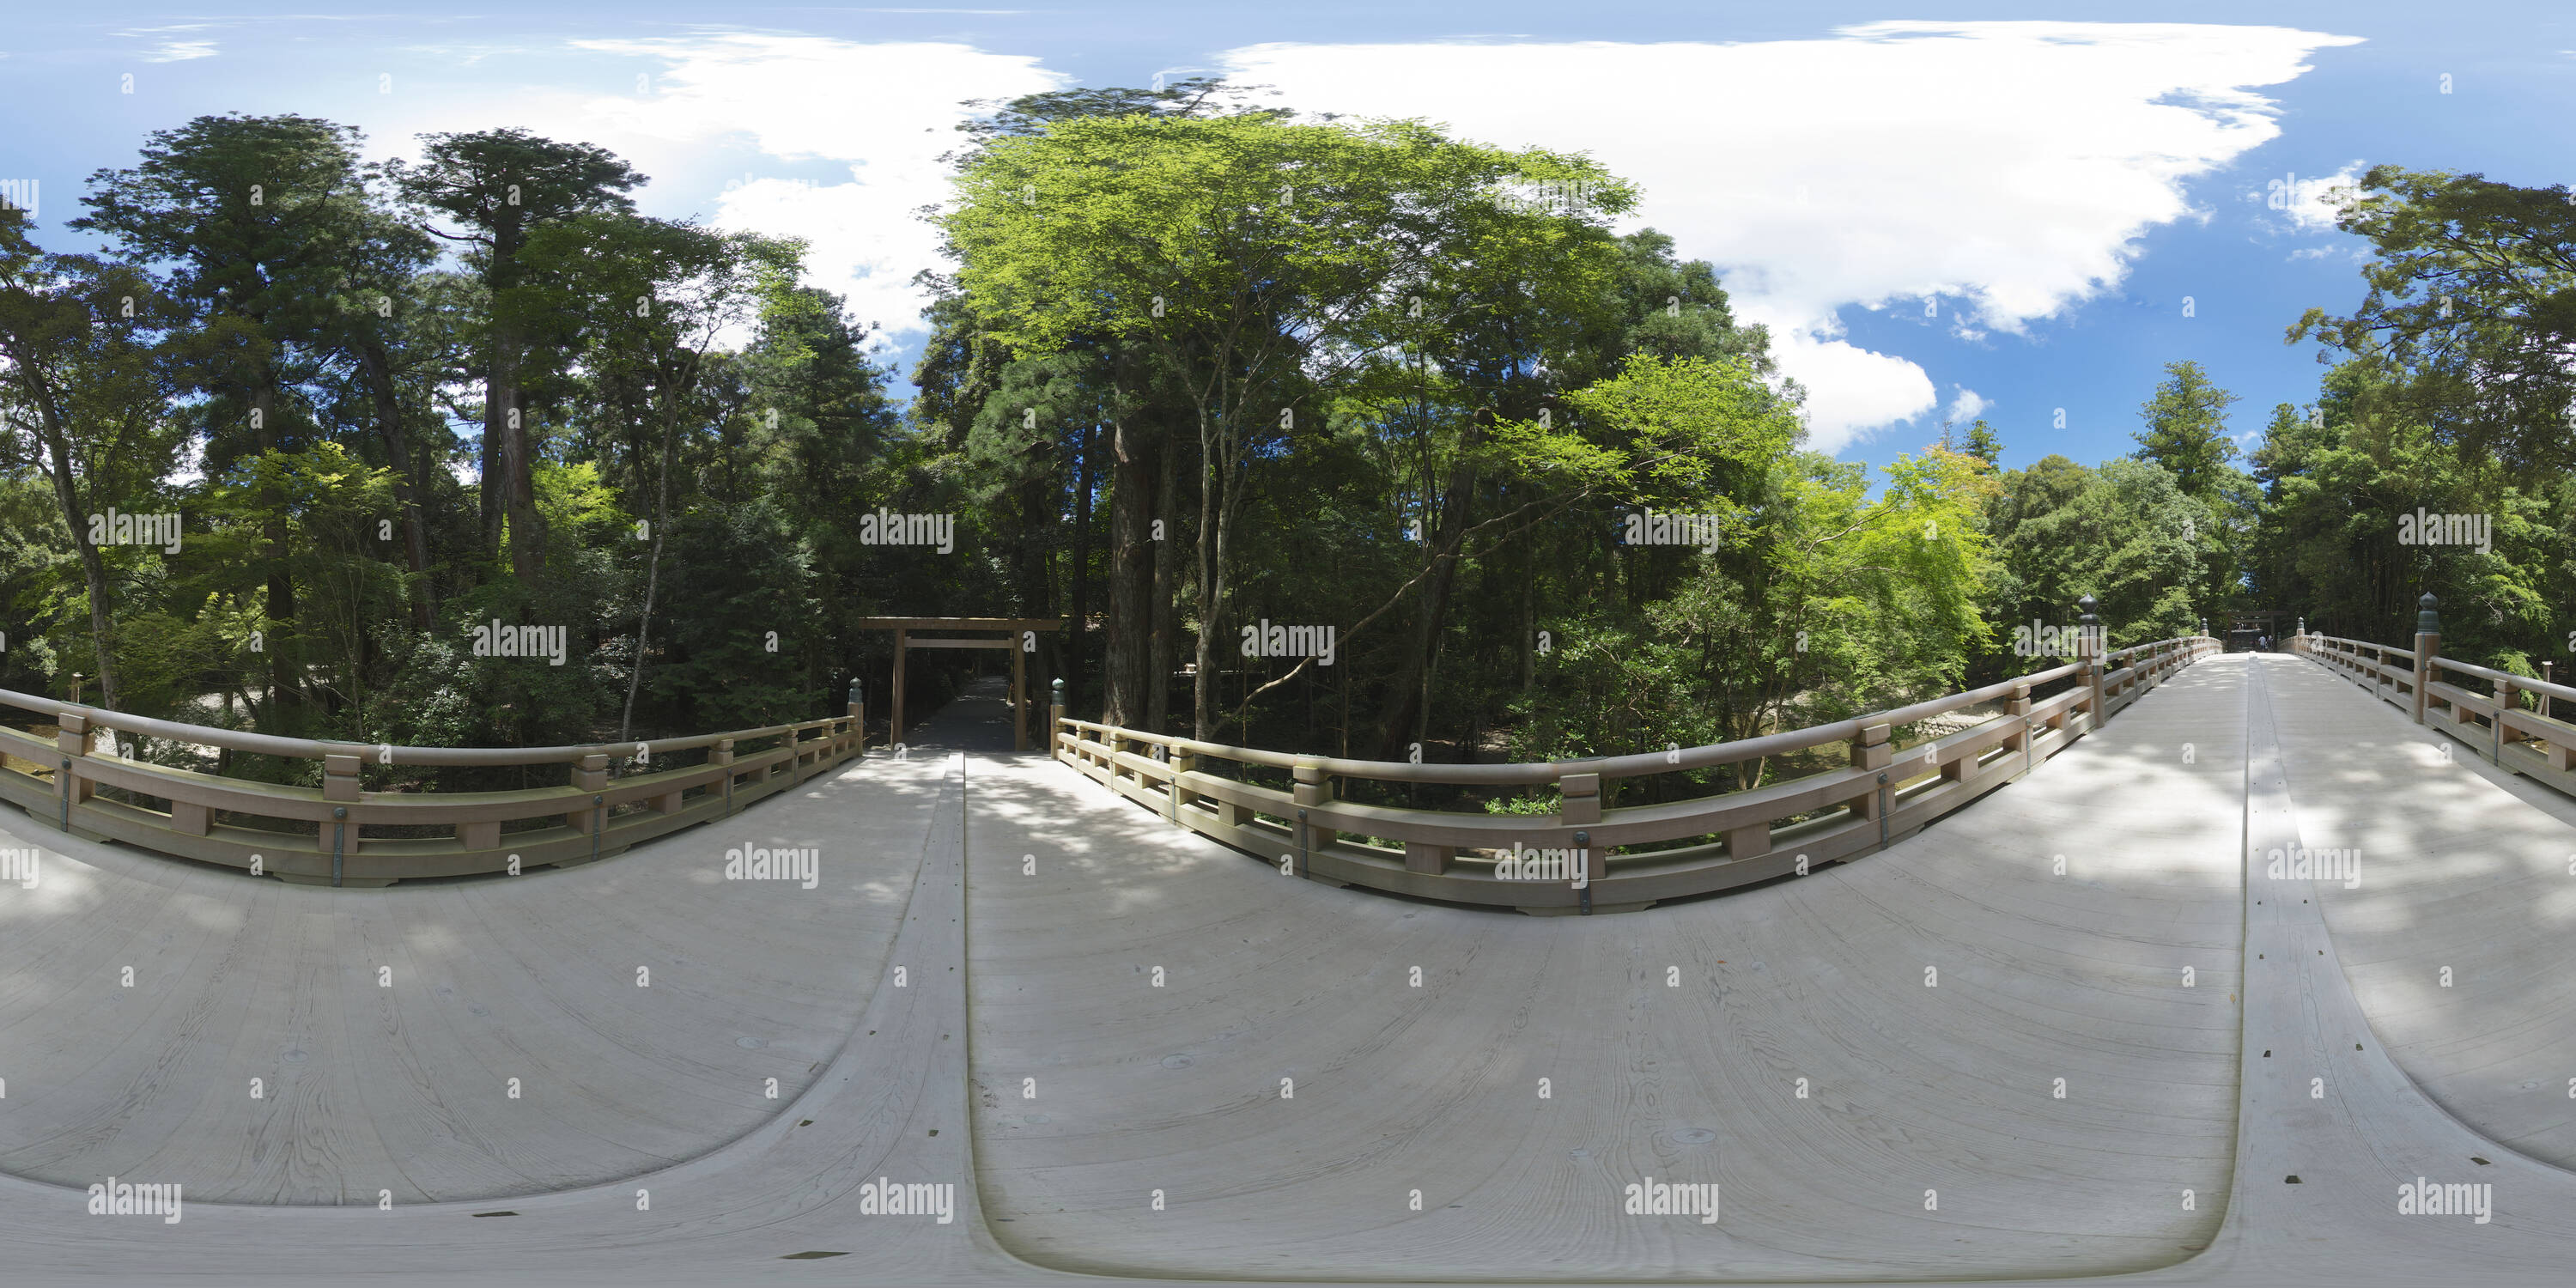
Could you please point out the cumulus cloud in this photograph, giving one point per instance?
(1965, 408)
(829, 140)
(885, 112)
(2307, 203)
(2012, 166)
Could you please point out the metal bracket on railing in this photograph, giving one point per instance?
(1304, 863)
(1583, 855)
(66, 788)
(598, 820)
(339, 835)
(1882, 811)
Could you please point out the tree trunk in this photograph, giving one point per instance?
(1078, 639)
(1407, 699)
(511, 496)
(93, 566)
(1167, 561)
(285, 686)
(380, 378)
(652, 578)
(505, 423)
(1131, 573)
(1214, 464)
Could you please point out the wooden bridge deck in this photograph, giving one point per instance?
(1048, 976)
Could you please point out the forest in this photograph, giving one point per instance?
(1323, 435)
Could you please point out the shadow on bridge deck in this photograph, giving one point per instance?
(1539, 1066)
(1673, 1043)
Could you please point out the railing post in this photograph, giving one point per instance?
(1182, 762)
(2504, 703)
(2428, 645)
(1870, 752)
(340, 777)
(858, 717)
(590, 774)
(722, 754)
(1580, 797)
(2019, 709)
(340, 782)
(72, 738)
(2088, 641)
(1055, 714)
(1313, 788)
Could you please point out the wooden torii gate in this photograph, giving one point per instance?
(1018, 637)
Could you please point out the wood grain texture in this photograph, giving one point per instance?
(2461, 868)
(405, 1088)
(1293, 979)
(1396, 1087)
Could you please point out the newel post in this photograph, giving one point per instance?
(1870, 752)
(590, 774)
(2504, 701)
(858, 716)
(2088, 642)
(2019, 709)
(1579, 804)
(1055, 713)
(1183, 762)
(72, 739)
(2428, 645)
(1313, 789)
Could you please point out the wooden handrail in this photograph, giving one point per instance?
(2494, 725)
(213, 817)
(1608, 767)
(1770, 831)
(312, 749)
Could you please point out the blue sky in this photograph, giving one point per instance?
(2055, 181)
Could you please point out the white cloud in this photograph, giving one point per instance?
(2307, 204)
(1965, 408)
(886, 111)
(2010, 165)
(170, 50)
(723, 113)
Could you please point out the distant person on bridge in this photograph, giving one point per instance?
(2262, 643)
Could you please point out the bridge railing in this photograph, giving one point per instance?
(90, 781)
(2511, 724)
(1533, 861)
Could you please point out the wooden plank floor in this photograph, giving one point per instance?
(2461, 868)
(1400, 1088)
(385, 1027)
(1436, 1087)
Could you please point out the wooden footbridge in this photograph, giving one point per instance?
(2177, 967)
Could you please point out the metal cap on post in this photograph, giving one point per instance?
(2428, 645)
